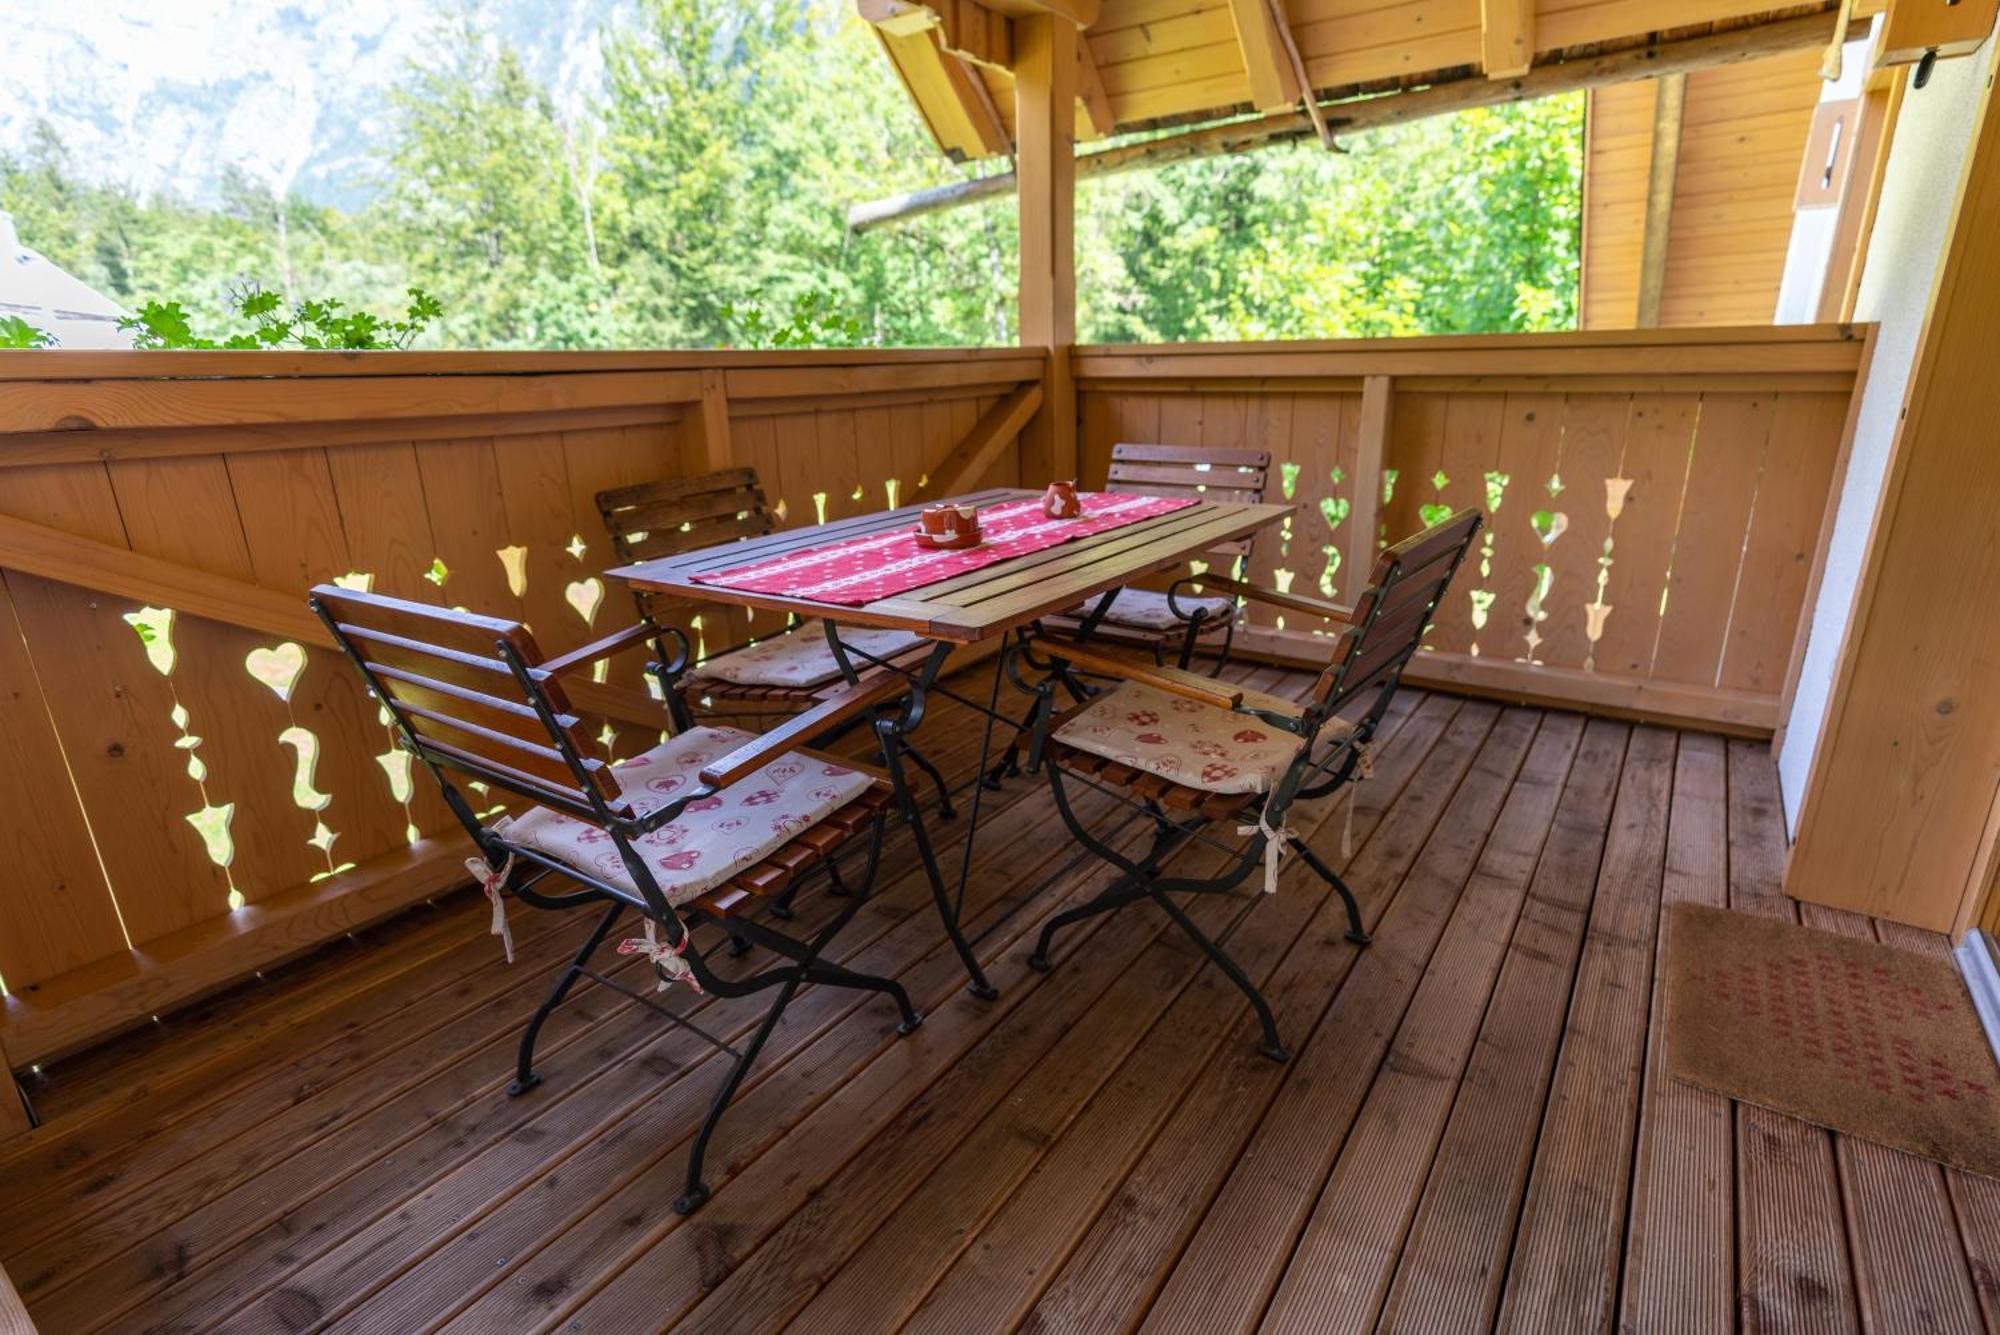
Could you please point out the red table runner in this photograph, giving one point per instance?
(881, 565)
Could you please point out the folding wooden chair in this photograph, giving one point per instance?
(1176, 621)
(783, 673)
(691, 833)
(1189, 751)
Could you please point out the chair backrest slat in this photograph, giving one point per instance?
(1198, 472)
(445, 677)
(683, 514)
(1405, 588)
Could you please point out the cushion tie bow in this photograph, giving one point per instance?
(670, 960)
(491, 881)
(1274, 848)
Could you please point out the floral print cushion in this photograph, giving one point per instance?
(714, 837)
(1144, 609)
(1188, 742)
(801, 658)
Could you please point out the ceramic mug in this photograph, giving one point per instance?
(1060, 501)
(949, 521)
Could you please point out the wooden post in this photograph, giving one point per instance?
(1377, 417)
(1901, 813)
(1045, 130)
(704, 444)
(1670, 94)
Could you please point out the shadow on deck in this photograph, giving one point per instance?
(1472, 1131)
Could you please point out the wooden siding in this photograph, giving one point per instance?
(1743, 133)
(1474, 1132)
(1652, 537)
(1180, 60)
(199, 786)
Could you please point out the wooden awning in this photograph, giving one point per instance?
(1152, 64)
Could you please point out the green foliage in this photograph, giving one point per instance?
(813, 322)
(325, 324)
(700, 200)
(18, 333)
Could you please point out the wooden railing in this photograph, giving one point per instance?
(1658, 501)
(195, 785)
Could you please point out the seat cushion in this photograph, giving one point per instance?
(1143, 609)
(1188, 742)
(714, 837)
(800, 658)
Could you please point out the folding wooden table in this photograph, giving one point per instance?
(998, 600)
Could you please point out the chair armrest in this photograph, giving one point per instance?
(596, 649)
(1291, 602)
(833, 709)
(1188, 685)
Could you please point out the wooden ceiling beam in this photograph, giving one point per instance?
(1082, 13)
(947, 91)
(1273, 84)
(1372, 113)
(1506, 37)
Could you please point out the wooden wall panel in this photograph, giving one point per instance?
(224, 771)
(1628, 516)
(1743, 131)
(1901, 814)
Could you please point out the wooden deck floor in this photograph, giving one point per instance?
(1472, 1131)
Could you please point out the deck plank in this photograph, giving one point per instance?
(1680, 1258)
(1120, 1263)
(1563, 1273)
(486, 1225)
(1475, 1127)
(1455, 1257)
(1341, 1267)
(1792, 1253)
(1225, 1276)
(999, 1263)
(784, 1271)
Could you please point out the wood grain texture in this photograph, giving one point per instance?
(435, 477)
(331, 1148)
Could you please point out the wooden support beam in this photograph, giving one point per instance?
(1045, 119)
(1378, 112)
(1094, 117)
(1372, 447)
(1273, 84)
(1314, 112)
(704, 430)
(1506, 37)
(1901, 812)
(947, 92)
(968, 461)
(1670, 94)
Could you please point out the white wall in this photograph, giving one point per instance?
(1812, 229)
(1919, 194)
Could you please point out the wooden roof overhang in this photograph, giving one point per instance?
(1223, 76)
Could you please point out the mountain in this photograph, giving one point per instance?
(164, 96)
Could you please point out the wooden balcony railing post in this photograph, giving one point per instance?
(1045, 122)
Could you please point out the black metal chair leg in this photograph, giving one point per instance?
(946, 811)
(1270, 1047)
(834, 975)
(1355, 931)
(525, 1077)
(696, 1194)
(1125, 890)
